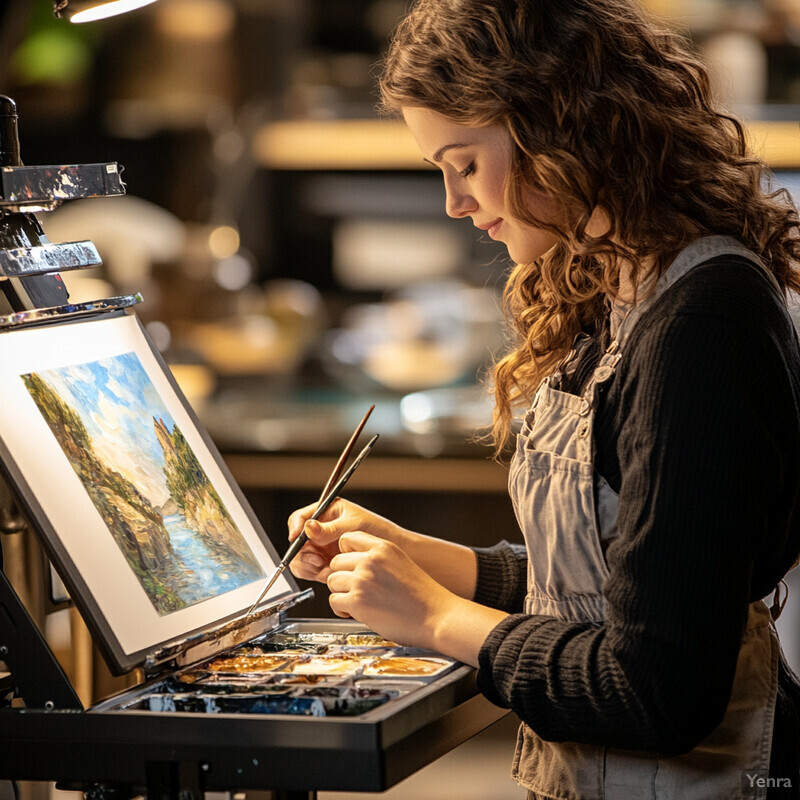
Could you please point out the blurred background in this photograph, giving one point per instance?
(292, 248)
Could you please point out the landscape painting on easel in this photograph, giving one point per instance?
(145, 481)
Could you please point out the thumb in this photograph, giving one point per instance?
(324, 532)
(297, 520)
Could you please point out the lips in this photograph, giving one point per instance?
(491, 227)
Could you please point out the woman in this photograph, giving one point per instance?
(657, 471)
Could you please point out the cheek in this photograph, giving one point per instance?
(526, 242)
(492, 195)
(548, 210)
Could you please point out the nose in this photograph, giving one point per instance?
(458, 203)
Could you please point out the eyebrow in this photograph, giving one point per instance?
(437, 156)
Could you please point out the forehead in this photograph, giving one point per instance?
(435, 134)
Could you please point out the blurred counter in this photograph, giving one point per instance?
(392, 473)
(291, 439)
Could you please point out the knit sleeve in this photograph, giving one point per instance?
(702, 419)
(502, 576)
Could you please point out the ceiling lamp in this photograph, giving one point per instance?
(91, 10)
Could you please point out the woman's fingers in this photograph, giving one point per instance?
(359, 541)
(342, 521)
(339, 582)
(312, 560)
(334, 522)
(364, 552)
(307, 565)
(300, 520)
(297, 520)
(342, 569)
(363, 578)
(337, 606)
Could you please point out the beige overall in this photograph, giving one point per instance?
(565, 511)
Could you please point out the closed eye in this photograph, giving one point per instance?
(467, 171)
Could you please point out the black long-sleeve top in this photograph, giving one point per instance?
(699, 434)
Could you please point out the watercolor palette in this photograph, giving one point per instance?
(317, 701)
(408, 666)
(297, 672)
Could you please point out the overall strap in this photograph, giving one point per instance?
(694, 254)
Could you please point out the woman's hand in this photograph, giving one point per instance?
(313, 561)
(408, 587)
(451, 565)
(374, 581)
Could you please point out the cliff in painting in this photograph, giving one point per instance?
(146, 482)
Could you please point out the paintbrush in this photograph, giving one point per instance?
(297, 545)
(348, 448)
(333, 488)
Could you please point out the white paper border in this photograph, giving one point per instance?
(62, 497)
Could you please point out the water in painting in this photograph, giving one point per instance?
(145, 481)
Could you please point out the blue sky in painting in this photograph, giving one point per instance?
(117, 402)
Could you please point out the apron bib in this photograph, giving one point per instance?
(567, 514)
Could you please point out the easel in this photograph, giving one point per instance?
(33, 290)
(33, 293)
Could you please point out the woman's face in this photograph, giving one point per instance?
(475, 163)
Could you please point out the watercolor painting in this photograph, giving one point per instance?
(145, 481)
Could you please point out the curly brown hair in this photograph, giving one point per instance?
(606, 109)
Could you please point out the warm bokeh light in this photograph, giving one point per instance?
(104, 10)
(223, 241)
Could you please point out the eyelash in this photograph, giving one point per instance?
(465, 173)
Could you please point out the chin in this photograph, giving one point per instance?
(519, 255)
(527, 255)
